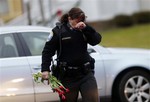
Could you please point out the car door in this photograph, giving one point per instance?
(16, 83)
(99, 69)
(35, 41)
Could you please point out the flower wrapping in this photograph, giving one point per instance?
(54, 83)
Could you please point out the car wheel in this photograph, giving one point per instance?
(135, 87)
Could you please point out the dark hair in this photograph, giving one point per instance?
(73, 13)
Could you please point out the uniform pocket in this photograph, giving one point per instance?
(66, 41)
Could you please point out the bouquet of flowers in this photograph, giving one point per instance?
(55, 84)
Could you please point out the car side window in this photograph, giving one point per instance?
(35, 41)
(8, 46)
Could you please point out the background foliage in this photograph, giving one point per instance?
(137, 36)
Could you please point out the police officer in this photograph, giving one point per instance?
(77, 65)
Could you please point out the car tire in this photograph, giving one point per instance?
(134, 87)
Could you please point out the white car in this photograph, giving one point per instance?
(123, 74)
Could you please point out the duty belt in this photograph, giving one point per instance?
(64, 64)
(70, 67)
(73, 67)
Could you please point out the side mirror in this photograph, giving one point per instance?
(90, 50)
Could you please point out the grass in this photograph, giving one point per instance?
(137, 36)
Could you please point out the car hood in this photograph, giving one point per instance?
(129, 50)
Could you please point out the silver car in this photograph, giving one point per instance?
(123, 74)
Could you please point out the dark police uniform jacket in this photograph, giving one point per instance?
(73, 46)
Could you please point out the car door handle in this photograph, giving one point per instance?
(36, 67)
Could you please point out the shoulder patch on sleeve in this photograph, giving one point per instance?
(50, 36)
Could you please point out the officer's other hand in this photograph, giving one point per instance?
(80, 25)
(45, 75)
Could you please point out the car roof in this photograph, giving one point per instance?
(17, 29)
